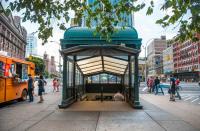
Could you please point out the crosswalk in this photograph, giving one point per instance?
(191, 98)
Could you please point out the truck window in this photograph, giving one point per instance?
(2, 69)
(22, 71)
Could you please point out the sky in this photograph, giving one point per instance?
(145, 25)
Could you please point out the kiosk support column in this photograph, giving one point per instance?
(65, 84)
(130, 79)
(74, 78)
(136, 103)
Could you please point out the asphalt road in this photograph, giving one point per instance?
(190, 92)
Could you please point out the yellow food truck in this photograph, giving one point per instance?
(13, 78)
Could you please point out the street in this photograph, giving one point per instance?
(157, 114)
(89, 116)
(190, 93)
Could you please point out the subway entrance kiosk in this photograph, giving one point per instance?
(95, 69)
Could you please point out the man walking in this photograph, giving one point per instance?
(173, 88)
(157, 82)
(30, 88)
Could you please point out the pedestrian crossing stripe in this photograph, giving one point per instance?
(195, 100)
(189, 98)
(185, 96)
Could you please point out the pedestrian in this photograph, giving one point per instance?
(40, 88)
(30, 87)
(148, 86)
(54, 84)
(57, 85)
(173, 88)
(177, 88)
(177, 82)
(199, 83)
(45, 83)
(151, 84)
(156, 85)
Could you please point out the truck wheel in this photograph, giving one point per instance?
(24, 95)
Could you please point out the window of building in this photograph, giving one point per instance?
(4, 30)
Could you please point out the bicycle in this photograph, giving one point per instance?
(177, 92)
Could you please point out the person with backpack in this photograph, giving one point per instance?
(156, 82)
(41, 88)
(172, 88)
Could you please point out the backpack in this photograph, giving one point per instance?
(40, 83)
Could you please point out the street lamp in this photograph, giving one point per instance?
(145, 48)
(59, 55)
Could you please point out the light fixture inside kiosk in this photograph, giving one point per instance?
(102, 64)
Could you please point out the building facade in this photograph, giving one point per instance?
(142, 69)
(50, 65)
(31, 47)
(168, 64)
(154, 56)
(127, 19)
(12, 36)
(186, 57)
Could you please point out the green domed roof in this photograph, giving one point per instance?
(88, 33)
(74, 36)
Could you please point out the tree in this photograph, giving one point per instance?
(45, 12)
(39, 64)
(46, 74)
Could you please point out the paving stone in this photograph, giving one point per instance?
(62, 125)
(73, 116)
(160, 115)
(134, 115)
(24, 126)
(41, 115)
(128, 125)
(6, 125)
(148, 106)
(177, 126)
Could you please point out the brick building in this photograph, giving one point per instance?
(168, 65)
(186, 58)
(12, 36)
(154, 56)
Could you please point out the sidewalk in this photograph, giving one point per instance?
(188, 112)
(88, 116)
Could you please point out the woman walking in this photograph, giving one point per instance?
(57, 85)
(54, 84)
(40, 88)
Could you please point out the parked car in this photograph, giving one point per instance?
(164, 85)
(167, 85)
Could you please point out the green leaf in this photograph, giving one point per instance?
(149, 11)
